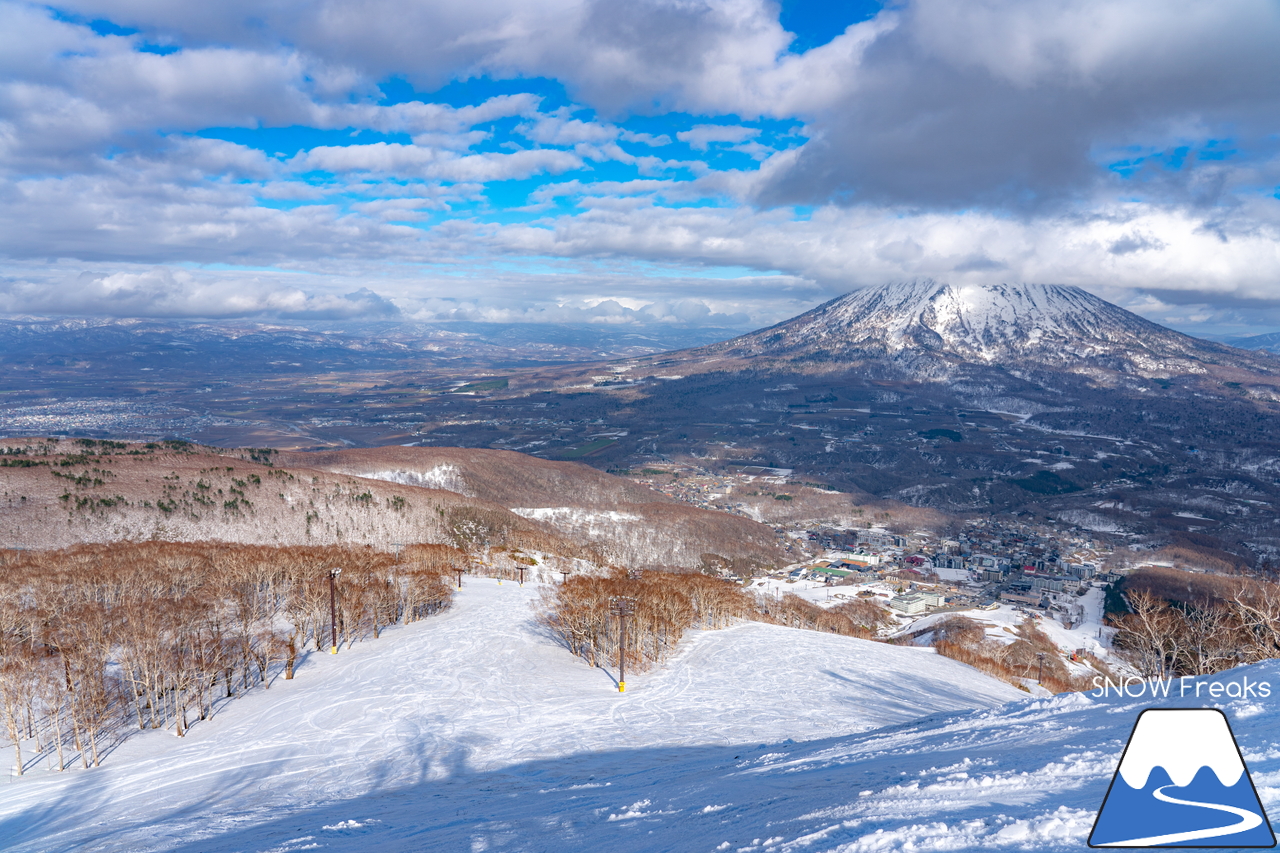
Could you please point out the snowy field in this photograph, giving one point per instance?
(815, 591)
(473, 731)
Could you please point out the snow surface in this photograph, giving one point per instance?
(975, 315)
(599, 521)
(816, 592)
(474, 732)
(444, 476)
(475, 689)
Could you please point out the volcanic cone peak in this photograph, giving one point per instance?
(1001, 323)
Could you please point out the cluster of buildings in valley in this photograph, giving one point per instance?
(985, 564)
(988, 561)
(103, 417)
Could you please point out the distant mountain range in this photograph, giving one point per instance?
(1270, 342)
(1037, 399)
(246, 346)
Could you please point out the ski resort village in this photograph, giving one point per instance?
(1044, 569)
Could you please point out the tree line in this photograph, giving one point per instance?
(97, 639)
(1174, 623)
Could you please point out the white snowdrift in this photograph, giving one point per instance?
(598, 521)
(444, 476)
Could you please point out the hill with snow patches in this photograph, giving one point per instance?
(61, 493)
(612, 515)
(475, 731)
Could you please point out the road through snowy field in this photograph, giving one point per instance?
(476, 689)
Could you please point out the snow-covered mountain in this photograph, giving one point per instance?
(1048, 324)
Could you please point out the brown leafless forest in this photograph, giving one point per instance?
(666, 605)
(60, 493)
(100, 638)
(1164, 639)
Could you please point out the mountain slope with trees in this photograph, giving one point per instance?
(63, 493)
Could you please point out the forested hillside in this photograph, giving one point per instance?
(57, 494)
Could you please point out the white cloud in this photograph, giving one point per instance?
(614, 188)
(32, 43)
(111, 220)
(66, 94)
(168, 292)
(398, 159)
(596, 310)
(501, 167)
(388, 157)
(1008, 104)
(451, 141)
(417, 117)
(844, 249)
(195, 159)
(962, 139)
(713, 56)
(400, 209)
(703, 135)
(559, 129)
(656, 141)
(754, 150)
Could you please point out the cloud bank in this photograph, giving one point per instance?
(532, 160)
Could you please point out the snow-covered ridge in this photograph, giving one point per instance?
(986, 319)
(444, 476)
(561, 515)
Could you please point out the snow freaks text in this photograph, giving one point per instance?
(1186, 687)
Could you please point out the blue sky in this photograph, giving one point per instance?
(719, 162)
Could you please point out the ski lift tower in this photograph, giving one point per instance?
(333, 609)
(622, 607)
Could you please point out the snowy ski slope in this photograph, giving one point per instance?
(473, 731)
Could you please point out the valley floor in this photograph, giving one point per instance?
(475, 731)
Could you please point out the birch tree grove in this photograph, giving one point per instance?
(1200, 637)
(101, 638)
